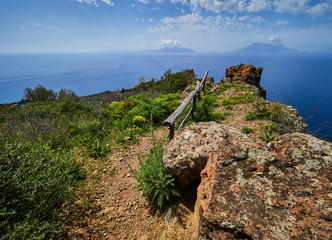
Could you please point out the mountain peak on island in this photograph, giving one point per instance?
(170, 50)
(266, 48)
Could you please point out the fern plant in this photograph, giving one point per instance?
(157, 184)
(99, 150)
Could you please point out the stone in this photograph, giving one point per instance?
(186, 155)
(171, 215)
(253, 191)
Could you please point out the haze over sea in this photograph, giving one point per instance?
(302, 80)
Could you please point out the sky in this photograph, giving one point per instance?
(57, 26)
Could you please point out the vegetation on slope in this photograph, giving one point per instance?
(44, 145)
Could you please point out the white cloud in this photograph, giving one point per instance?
(320, 9)
(275, 40)
(257, 5)
(246, 18)
(228, 5)
(194, 22)
(291, 6)
(237, 6)
(257, 19)
(90, 2)
(37, 24)
(303, 6)
(282, 22)
(95, 2)
(55, 27)
(170, 42)
(144, 1)
(108, 2)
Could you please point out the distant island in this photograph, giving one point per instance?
(267, 48)
(169, 50)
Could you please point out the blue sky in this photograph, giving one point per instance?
(203, 25)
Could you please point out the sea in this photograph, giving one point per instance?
(302, 80)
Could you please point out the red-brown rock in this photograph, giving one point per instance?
(281, 192)
(253, 191)
(244, 74)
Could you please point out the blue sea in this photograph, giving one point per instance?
(303, 80)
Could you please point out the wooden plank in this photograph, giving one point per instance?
(183, 124)
(203, 80)
(171, 132)
(170, 121)
(197, 89)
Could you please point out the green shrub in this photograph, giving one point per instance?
(247, 130)
(281, 116)
(67, 95)
(174, 82)
(250, 116)
(204, 111)
(149, 107)
(40, 93)
(140, 121)
(268, 136)
(157, 184)
(35, 182)
(169, 97)
(261, 112)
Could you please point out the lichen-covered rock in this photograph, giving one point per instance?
(186, 155)
(283, 191)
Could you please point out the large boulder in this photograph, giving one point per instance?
(278, 192)
(282, 190)
(186, 155)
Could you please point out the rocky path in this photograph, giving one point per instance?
(114, 207)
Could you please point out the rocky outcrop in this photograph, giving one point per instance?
(246, 75)
(187, 154)
(252, 191)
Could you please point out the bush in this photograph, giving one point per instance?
(140, 121)
(148, 107)
(67, 95)
(268, 135)
(157, 184)
(247, 130)
(35, 182)
(40, 93)
(261, 112)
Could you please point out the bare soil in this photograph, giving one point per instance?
(111, 207)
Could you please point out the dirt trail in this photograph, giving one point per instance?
(116, 210)
(114, 207)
